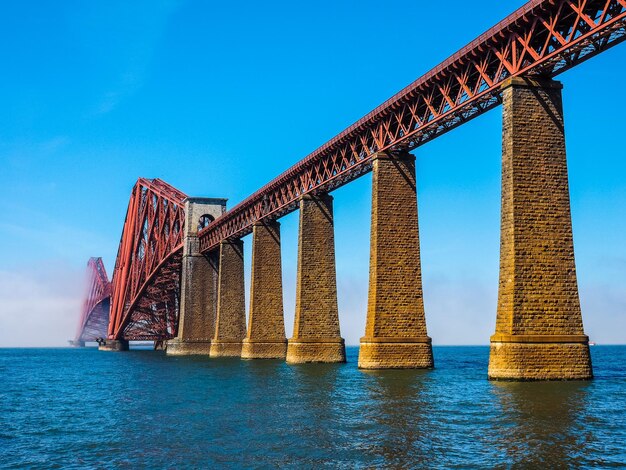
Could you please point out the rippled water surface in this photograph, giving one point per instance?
(87, 409)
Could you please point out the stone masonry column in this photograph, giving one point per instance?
(230, 325)
(198, 283)
(266, 325)
(539, 329)
(395, 331)
(316, 336)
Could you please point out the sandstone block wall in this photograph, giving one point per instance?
(538, 291)
(316, 335)
(198, 306)
(266, 325)
(540, 361)
(198, 283)
(230, 324)
(395, 332)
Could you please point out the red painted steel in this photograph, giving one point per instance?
(146, 280)
(94, 318)
(543, 38)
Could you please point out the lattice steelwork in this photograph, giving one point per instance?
(146, 280)
(543, 38)
(94, 318)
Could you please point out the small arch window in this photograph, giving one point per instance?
(205, 220)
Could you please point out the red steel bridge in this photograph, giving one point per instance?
(94, 318)
(543, 39)
(146, 278)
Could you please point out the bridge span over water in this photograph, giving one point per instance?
(94, 316)
(179, 279)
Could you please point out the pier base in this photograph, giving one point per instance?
(225, 348)
(396, 353)
(539, 357)
(176, 347)
(301, 351)
(264, 349)
(114, 345)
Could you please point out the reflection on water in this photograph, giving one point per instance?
(142, 409)
(321, 384)
(398, 418)
(541, 423)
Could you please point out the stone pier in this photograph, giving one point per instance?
(198, 289)
(230, 325)
(266, 325)
(539, 329)
(316, 336)
(395, 331)
(113, 345)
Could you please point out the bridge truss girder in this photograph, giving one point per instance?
(94, 317)
(146, 279)
(542, 38)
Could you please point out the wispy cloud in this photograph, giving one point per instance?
(55, 238)
(54, 144)
(109, 102)
(133, 31)
(23, 153)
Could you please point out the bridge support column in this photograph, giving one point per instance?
(395, 332)
(230, 326)
(198, 294)
(113, 345)
(539, 329)
(266, 325)
(198, 283)
(316, 336)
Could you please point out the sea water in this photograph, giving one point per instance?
(81, 408)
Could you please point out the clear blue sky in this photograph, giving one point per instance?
(217, 98)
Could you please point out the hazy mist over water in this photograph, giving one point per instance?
(80, 408)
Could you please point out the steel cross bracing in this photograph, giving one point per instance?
(94, 318)
(146, 280)
(543, 38)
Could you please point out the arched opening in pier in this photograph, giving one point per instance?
(204, 221)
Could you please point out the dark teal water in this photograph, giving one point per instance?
(80, 408)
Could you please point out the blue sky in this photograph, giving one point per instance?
(217, 98)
